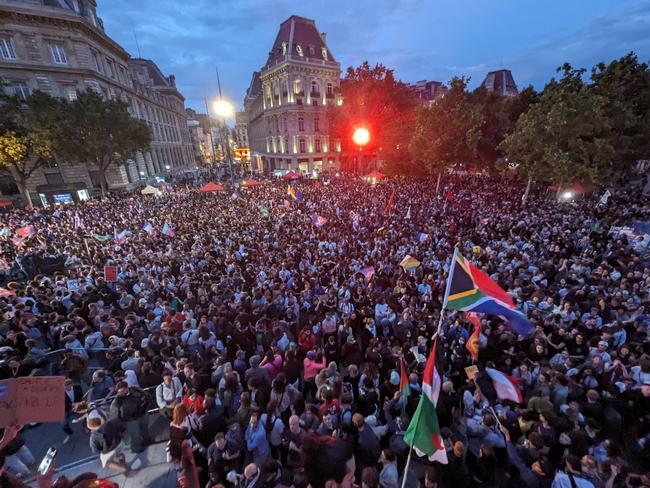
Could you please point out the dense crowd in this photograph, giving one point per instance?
(250, 325)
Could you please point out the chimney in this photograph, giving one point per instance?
(323, 36)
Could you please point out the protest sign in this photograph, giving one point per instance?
(110, 273)
(471, 371)
(32, 399)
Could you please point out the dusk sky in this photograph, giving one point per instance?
(419, 39)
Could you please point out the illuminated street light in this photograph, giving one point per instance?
(361, 136)
(567, 195)
(223, 108)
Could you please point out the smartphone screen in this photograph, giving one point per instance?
(47, 461)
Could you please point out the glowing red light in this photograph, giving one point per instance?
(361, 136)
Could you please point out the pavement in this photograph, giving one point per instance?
(148, 468)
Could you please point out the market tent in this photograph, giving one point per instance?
(211, 187)
(150, 190)
(375, 175)
(291, 175)
(251, 183)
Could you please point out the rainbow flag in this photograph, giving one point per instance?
(409, 262)
(168, 231)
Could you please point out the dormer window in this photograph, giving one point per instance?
(312, 51)
(299, 50)
(323, 51)
(284, 48)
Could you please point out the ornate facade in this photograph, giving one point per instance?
(60, 47)
(286, 102)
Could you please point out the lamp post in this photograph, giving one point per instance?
(224, 109)
(361, 137)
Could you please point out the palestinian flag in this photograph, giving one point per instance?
(423, 433)
(471, 290)
(404, 383)
(472, 343)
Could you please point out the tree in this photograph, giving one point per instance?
(564, 137)
(29, 131)
(447, 131)
(500, 114)
(102, 132)
(624, 85)
(373, 99)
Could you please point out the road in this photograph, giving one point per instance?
(149, 468)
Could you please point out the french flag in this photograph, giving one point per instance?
(506, 387)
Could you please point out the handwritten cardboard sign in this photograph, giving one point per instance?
(32, 399)
(471, 371)
(110, 274)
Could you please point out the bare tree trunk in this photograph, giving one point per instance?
(102, 180)
(22, 188)
(524, 199)
(438, 183)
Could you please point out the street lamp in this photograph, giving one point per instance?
(224, 109)
(361, 136)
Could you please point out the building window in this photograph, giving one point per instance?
(330, 90)
(302, 146)
(301, 123)
(54, 178)
(286, 145)
(297, 87)
(111, 67)
(312, 51)
(58, 54)
(316, 123)
(95, 57)
(21, 90)
(315, 89)
(71, 93)
(314, 101)
(317, 145)
(299, 50)
(6, 49)
(323, 51)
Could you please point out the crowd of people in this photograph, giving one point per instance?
(269, 330)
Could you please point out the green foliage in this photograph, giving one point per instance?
(102, 132)
(29, 135)
(447, 131)
(373, 99)
(564, 137)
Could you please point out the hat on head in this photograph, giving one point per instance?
(394, 378)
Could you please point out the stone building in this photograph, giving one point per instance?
(427, 91)
(60, 47)
(241, 130)
(286, 102)
(501, 81)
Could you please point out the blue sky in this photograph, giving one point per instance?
(419, 39)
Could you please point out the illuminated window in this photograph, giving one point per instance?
(6, 49)
(296, 86)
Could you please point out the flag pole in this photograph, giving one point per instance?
(417, 423)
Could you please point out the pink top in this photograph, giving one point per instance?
(312, 367)
(274, 367)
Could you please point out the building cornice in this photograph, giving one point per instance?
(58, 18)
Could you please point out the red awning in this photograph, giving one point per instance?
(291, 175)
(251, 183)
(211, 187)
(6, 203)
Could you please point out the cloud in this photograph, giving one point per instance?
(417, 38)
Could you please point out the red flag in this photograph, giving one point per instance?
(473, 341)
(389, 205)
